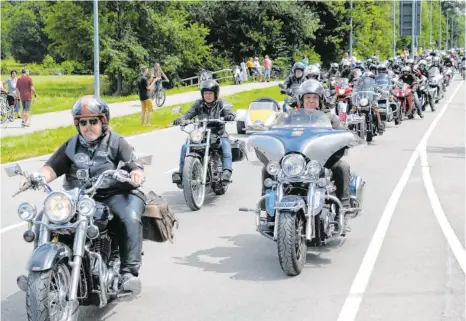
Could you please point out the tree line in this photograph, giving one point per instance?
(184, 36)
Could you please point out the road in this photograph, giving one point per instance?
(219, 268)
(63, 118)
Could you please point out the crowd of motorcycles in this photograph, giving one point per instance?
(298, 208)
(367, 95)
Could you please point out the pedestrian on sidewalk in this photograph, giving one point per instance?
(147, 104)
(267, 68)
(24, 90)
(11, 83)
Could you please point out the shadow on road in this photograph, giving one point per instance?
(454, 152)
(251, 258)
(178, 204)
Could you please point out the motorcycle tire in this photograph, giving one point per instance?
(291, 249)
(190, 163)
(38, 292)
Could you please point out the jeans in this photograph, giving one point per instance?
(226, 151)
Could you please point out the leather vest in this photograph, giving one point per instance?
(103, 158)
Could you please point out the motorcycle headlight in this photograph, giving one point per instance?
(364, 101)
(341, 91)
(86, 206)
(313, 168)
(59, 207)
(273, 168)
(293, 165)
(196, 136)
(27, 211)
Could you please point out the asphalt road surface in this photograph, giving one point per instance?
(221, 269)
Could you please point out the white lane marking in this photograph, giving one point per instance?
(353, 301)
(12, 227)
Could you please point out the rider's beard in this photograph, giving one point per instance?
(91, 133)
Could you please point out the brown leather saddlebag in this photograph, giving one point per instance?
(158, 220)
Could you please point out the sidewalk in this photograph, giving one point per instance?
(63, 118)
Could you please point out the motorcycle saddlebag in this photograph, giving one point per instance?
(238, 150)
(158, 220)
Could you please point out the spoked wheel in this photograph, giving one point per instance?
(193, 189)
(160, 97)
(47, 294)
(291, 242)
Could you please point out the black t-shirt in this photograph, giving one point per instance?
(60, 163)
(142, 88)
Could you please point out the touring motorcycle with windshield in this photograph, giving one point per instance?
(300, 196)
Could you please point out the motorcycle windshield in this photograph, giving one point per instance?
(434, 72)
(301, 131)
(263, 105)
(303, 118)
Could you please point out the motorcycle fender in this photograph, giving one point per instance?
(48, 255)
(292, 203)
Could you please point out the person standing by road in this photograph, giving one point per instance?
(155, 79)
(24, 91)
(147, 104)
(267, 68)
(11, 83)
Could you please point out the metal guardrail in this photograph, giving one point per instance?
(191, 79)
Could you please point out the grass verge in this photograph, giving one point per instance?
(44, 142)
(57, 93)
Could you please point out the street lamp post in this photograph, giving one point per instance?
(96, 51)
(394, 28)
(351, 30)
(413, 26)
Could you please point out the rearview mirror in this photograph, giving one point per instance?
(176, 110)
(13, 170)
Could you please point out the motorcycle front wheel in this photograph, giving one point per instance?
(193, 187)
(47, 294)
(291, 242)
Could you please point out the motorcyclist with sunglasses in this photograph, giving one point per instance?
(97, 148)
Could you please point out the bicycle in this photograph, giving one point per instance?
(7, 112)
(160, 95)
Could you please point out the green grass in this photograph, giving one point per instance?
(43, 142)
(57, 93)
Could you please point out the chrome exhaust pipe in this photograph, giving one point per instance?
(341, 219)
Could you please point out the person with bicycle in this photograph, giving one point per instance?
(155, 79)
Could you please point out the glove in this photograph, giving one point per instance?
(229, 117)
(177, 121)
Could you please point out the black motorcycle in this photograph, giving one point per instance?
(76, 260)
(203, 162)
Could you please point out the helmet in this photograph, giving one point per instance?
(311, 86)
(406, 69)
(210, 85)
(436, 60)
(334, 65)
(91, 106)
(313, 72)
(346, 64)
(298, 66)
(422, 62)
(382, 68)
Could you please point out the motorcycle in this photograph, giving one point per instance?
(389, 108)
(435, 84)
(291, 100)
(343, 93)
(203, 76)
(74, 263)
(365, 106)
(203, 161)
(463, 69)
(236, 75)
(448, 75)
(425, 97)
(301, 209)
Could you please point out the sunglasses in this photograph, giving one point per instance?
(92, 121)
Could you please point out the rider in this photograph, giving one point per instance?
(422, 72)
(311, 96)
(97, 148)
(293, 80)
(210, 107)
(409, 78)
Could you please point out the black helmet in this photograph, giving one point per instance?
(91, 106)
(210, 85)
(311, 86)
(296, 66)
